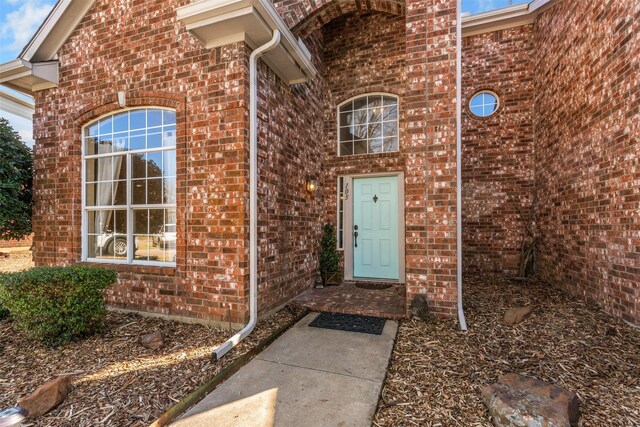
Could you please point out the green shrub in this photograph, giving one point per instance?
(329, 255)
(57, 304)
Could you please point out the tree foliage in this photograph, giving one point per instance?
(16, 181)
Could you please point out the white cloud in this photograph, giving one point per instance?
(20, 25)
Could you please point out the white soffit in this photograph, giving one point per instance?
(220, 22)
(15, 105)
(503, 18)
(26, 77)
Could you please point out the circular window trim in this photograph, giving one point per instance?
(481, 91)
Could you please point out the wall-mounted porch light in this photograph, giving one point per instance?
(311, 184)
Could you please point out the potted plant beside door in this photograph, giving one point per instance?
(329, 256)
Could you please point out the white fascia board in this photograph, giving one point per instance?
(503, 18)
(220, 22)
(14, 105)
(55, 30)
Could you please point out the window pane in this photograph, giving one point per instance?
(390, 129)
(154, 140)
(91, 170)
(121, 122)
(92, 130)
(120, 141)
(360, 103)
(168, 117)
(104, 144)
(345, 134)
(138, 140)
(169, 163)
(390, 113)
(106, 126)
(154, 164)
(346, 118)
(138, 119)
(169, 136)
(90, 146)
(375, 130)
(156, 221)
(477, 110)
(120, 192)
(390, 144)
(99, 194)
(375, 145)
(346, 148)
(141, 221)
(360, 147)
(142, 244)
(347, 107)
(154, 191)
(154, 118)
(138, 166)
(169, 191)
(138, 192)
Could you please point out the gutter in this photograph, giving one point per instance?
(219, 352)
(461, 319)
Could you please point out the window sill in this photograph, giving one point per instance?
(164, 270)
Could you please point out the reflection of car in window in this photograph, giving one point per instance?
(111, 244)
(167, 239)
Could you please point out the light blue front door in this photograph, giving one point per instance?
(375, 220)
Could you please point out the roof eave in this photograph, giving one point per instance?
(503, 18)
(220, 22)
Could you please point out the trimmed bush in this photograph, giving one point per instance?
(56, 305)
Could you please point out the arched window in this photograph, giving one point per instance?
(129, 196)
(368, 124)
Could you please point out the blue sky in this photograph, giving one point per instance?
(19, 20)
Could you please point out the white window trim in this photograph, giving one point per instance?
(480, 92)
(346, 101)
(129, 207)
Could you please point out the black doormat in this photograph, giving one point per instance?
(349, 322)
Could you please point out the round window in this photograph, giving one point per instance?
(484, 103)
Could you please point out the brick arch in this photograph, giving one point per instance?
(306, 16)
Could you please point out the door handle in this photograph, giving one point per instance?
(355, 236)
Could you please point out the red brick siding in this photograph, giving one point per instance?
(289, 217)
(498, 151)
(587, 127)
(27, 241)
(138, 47)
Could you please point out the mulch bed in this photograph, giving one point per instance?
(119, 382)
(437, 371)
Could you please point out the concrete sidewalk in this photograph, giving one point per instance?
(307, 377)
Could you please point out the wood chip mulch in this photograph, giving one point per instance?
(436, 371)
(119, 382)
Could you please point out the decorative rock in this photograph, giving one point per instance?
(152, 341)
(516, 315)
(47, 396)
(420, 308)
(519, 401)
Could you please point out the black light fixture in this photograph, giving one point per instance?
(311, 184)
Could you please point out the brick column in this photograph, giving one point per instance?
(431, 153)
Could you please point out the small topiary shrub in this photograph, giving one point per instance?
(329, 255)
(56, 305)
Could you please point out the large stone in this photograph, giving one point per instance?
(47, 396)
(152, 341)
(516, 315)
(519, 401)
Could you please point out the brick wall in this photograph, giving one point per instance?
(138, 47)
(26, 242)
(289, 217)
(587, 127)
(498, 151)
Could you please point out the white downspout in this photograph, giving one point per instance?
(253, 197)
(461, 319)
